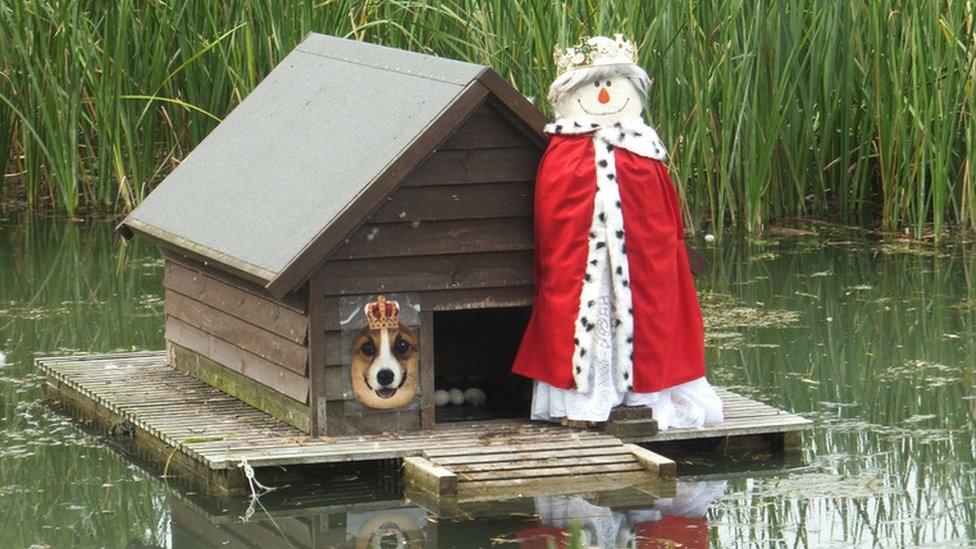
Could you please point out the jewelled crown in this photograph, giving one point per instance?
(593, 51)
(382, 313)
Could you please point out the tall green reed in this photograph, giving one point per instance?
(859, 112)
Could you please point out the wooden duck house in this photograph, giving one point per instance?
(353, 170)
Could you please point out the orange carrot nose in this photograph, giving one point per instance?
(604, 96)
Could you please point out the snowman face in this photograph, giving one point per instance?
(607, 100)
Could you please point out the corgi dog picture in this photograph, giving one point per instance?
(384, 360)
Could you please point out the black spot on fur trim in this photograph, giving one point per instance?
(582, 352)
(600, 244)
(587, 277)
(630, 387)
(576, 340)
(583, 320)
(620, 233)
(602, 163)
(579, 370)
(620, 270)
(589, 327)
(594, 125)
(616, 124)
(625, 283)
(559, 128)
(594, 261)
(616, 322)
(623, 249)
(576, 124)
(617, 203)
(610, 176)
(590, 303)
(631, 357)
(592, 234)
(630, 340)
(609, 147)
(602, 217)
(626, 375)
(657, 151)
(630, 311)
(621, 136)
(638, 134)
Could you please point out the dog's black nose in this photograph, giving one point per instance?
(385, 377)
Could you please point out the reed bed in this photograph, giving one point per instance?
(862, 112)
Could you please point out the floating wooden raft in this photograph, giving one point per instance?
(193, 427)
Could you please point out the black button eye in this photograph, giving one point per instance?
(608, 83)
(368, 348)
(400, 346)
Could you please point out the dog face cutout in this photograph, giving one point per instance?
(385, 367)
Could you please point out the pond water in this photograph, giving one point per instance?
(872, 339)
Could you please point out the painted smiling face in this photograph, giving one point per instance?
(385, 367)
(605, 100)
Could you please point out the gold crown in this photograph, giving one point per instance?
(382, 313)
(593, 51)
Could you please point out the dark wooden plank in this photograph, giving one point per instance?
(486, 128)
(419, 273)
(350, 418)
(471, 201)
(438, 237)
(515, 106)
(316, 355)
(427, 369)
(296, 300)
(247, 306)
(230, 356)
(436, 300)
(249, 337)
(256, 394)
(477, 166)
(312, 257)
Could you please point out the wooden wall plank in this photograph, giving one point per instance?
(424, 273)
(477, 166)
(230, 356)
(438, 237)
(297, 300)
(247, 306)
(471, 201)
(249, 337)
(248, 390)
(486, 128)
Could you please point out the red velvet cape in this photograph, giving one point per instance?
(668, 334)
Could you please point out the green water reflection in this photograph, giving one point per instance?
(873, 340)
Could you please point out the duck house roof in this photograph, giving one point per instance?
(294, 168)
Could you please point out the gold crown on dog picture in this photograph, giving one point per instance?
(382, 313)
(592, 51)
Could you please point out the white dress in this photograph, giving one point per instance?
(691, 404)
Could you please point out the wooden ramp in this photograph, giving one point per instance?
(192, 427)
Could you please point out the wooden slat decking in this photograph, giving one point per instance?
(218, 431)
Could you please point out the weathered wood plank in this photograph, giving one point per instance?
(657, 464)
(297, 300)
(485, 128)
(247, 364)
(249, 337)
(447, 202)
(286, 409)
(260, 311)
(425, 273)
(477, 166)
(567, 471)
(423, 474)
(437, 237)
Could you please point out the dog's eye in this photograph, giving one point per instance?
(368, 348)
(400, 346)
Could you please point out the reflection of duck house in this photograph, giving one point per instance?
(352, 170)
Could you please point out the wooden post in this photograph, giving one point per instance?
(316, 354)
(427, 419)
(657, 464)
(421, 473)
